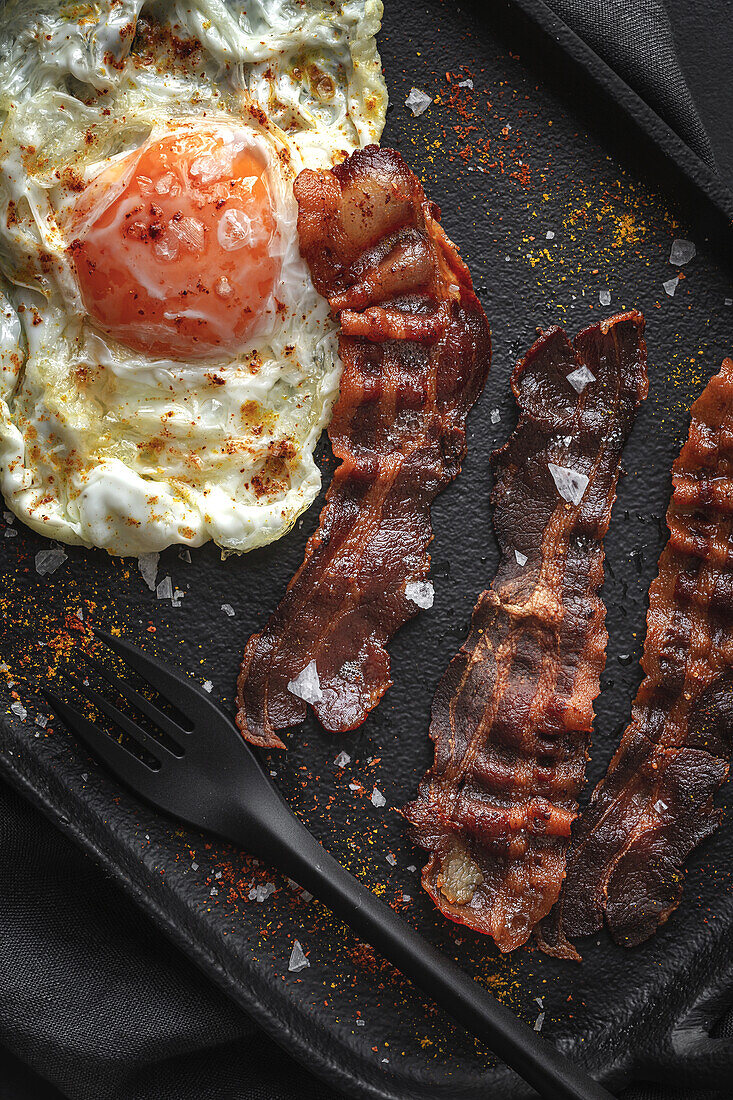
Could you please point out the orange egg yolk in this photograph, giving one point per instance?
(174, 244)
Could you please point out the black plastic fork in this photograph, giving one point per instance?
(202, 771)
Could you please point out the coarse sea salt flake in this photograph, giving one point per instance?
(539, 1022)
(378, 798)
(190, 232)
(261, 892)
(342, 759)
(421, 593)
(670, 285)
(164, 591)
(681, 252)
(42, 721)
(495, 416)
(360, 1023)
(48, 561)
(550, 235)
(520, 557)
(163, 185)
(418, 101)
(207, 686)
(605, 297)
(166, 248)
(185, 555)
(579, 378)
(466, 83)
(227, 609)
(569, 483)
(235, 230)
(18, 708)
(148, 566)
(306, 685)
(298, 961)
(660, 806)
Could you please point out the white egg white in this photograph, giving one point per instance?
(104, 446)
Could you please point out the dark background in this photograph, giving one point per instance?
(238, 1066)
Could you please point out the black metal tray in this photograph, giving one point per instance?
(530, 161)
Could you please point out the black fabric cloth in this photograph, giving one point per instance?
(635, 38)
(95, 1004)
(704, 47)
(98, 1003)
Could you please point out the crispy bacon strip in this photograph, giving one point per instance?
(512, 715)
(415, 347)
(655, 803)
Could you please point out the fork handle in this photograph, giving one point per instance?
(287, 844)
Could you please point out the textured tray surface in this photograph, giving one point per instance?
(547, 220)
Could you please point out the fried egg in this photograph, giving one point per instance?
(166, 365)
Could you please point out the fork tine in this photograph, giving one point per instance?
(120, 719)
(179, 690)
(143, 704)
(118, 759)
